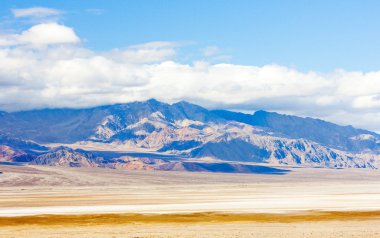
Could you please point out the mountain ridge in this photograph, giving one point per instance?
(191, 131)
(268, 119)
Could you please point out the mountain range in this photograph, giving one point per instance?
(180, 136)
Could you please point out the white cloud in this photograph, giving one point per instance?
(40, 35)
(49, 33)
(368, 101)
(210, 51)
(214, 54)
(145, 53)
(8, 40)
(69, 75)
(35, 12)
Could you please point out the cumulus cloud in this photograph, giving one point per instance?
(35, 12)
(40, 35)
(63, 74)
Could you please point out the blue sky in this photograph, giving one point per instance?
(309, 58)
(307, 35)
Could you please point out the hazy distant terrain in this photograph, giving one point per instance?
(160, 136)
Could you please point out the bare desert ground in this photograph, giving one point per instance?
(37, 201)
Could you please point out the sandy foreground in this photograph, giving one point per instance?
(38, 201)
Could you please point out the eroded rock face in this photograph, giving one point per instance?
(7, 153)
(186, 130)
(235, 141)
(64, 156)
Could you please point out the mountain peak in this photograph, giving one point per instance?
(191, 131)
(186, 103)
(153, 101)
(135, 121)
(263, 113)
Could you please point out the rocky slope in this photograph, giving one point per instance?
(63, 156)
(190, 131)
(325, 133)
(67, 157)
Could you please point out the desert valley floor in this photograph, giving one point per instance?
(39, 201)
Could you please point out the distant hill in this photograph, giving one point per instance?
(189, 131)
(323, 132)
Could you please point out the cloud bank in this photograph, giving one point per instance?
(46, 66)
